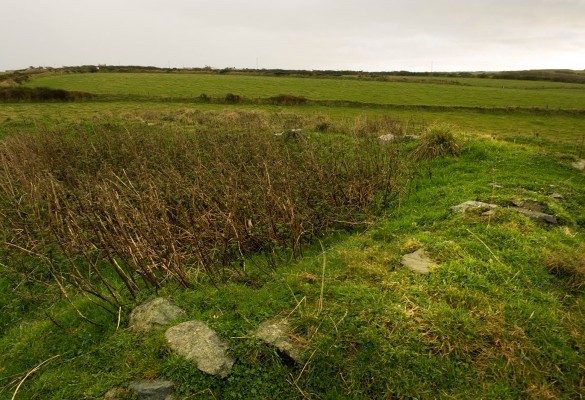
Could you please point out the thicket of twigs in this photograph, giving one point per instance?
(119, 207)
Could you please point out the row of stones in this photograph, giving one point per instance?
(198, 343)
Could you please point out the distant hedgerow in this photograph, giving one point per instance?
(40, 94)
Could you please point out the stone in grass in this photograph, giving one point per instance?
(143, 390)
(153, 390)
(197, 342)
(418, 262)
(579, 164)
(471, 205)
(537, 215)
(153, 314)
(386, 138)
(276, 332)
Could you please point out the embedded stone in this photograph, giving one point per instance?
(471, 205)
(153, 390)
(276, 332)
(418, 262)
(537, 215)
(386, 138)
(154, 314)
(197, 342)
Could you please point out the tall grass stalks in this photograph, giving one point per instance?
(150, 204)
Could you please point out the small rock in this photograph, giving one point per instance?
(418, 262)
(153, 390)
(495, 185)
(386, 138)
(579, 164)
(153, 314)
(275, 332)
(197, 342)
(471, 205)
(558, 196)
(532, 205)
(489, 213)
(537, 215)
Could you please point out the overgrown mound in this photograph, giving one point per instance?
(155, 204)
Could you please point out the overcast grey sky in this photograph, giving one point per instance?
(369, 35)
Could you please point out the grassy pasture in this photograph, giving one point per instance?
(554, 131)
(501, 317)
(531, 94)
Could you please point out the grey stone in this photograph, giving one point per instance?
(418, 262)
(154, 314)
(411, 137)
(386, 138)
(153, 390)
(471, 205)
(579, 164)
(275, 332)
(495, 185)
(558, 196)
(537, 215)
(197, 342)
(531, 205)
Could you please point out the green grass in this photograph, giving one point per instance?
(502, 316)
(411, 92)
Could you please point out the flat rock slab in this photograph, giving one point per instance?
(153, 390)
(154, 314)
(472, 205)
(579, 164)
(197, 342)
(537, 215)
(418, 262)
(275, 332)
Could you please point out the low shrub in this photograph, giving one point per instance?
(287, 100)
(40, 94)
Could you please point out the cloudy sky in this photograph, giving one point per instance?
(368, 35)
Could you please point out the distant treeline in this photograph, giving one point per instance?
(562, 75)
(17, 94)
(568, 76)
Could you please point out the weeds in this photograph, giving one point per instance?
(150, 206)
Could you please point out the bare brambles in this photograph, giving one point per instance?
(150, 205)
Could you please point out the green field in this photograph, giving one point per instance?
(147, 191)
(472, 93)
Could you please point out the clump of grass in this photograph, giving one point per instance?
(568, 265)
(150, 205)
(437, 141)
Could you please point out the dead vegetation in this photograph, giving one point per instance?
(149, 204)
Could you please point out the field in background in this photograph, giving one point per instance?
(462, 92)
(502, 316)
